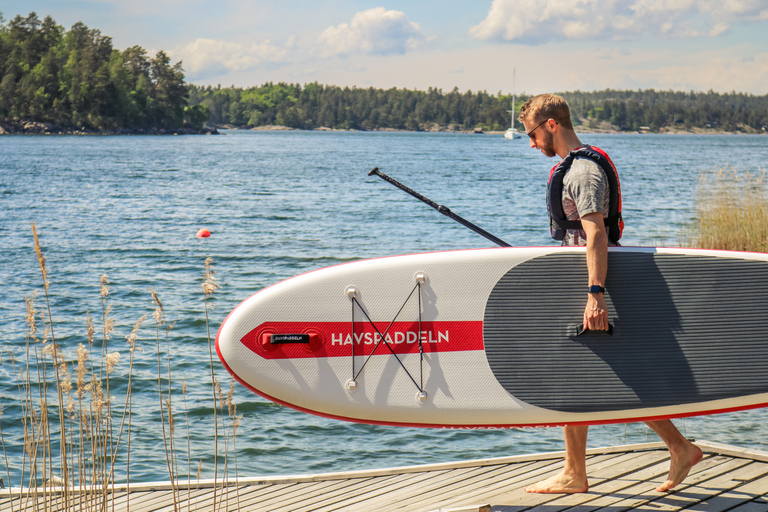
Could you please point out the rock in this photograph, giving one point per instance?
(273, 127)
(37, 127)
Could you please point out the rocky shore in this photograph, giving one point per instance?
(427, 127)
(39, 128)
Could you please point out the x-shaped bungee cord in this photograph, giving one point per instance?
(382, 338)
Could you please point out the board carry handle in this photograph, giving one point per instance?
(439, 207)
(272, 340)
(578, 330)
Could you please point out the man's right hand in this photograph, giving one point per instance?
(596, 313)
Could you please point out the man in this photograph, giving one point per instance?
(586, 196)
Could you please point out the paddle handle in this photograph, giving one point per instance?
(440, 208)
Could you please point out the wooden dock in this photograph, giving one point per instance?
(621, 478)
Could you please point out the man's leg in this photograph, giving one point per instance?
(683, 453)
(573, 478)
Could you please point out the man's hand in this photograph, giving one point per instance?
(596, 313)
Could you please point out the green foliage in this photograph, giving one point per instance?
(196, 116)
(317, 105)
(76, 78)
(660, 110)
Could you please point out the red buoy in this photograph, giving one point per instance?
(203, 233)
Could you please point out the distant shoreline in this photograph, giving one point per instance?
(39, 128)
(438, 129)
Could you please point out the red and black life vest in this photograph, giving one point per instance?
(558, 221)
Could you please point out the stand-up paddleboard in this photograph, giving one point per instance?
(489, 338)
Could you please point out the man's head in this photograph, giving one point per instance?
(547, 121)
(546, 106)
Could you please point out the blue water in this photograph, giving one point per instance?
(278, 204)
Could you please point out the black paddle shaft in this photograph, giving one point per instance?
(439, 207)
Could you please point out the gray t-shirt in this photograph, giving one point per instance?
(585, 190)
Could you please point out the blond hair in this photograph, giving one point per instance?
(546, 106)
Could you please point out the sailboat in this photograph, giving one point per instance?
(512, 132)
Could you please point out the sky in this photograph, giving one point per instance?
(530, 46)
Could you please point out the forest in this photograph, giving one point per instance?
(316, 105)
(75, 79)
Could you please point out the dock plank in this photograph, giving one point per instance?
(607, 479)
(248, 496)
(425, 487)
(518, 499)
(648, 493)
(616, 490)
(307, 494)
(437, 497)
(752, 506)
(514, 474)
(751, 483)
(518, 479)
(362, 496)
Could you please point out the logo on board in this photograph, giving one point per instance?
(395, 338)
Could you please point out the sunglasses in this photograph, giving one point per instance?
(530, 133)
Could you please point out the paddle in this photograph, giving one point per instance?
(439, 207)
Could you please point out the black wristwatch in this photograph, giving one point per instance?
(595, 289)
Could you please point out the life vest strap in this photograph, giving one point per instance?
(576, 224)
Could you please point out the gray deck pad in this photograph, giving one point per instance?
(687, 329)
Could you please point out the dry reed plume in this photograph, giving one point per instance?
(732, 212)
(71, 454)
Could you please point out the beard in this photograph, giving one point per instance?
(547, 146)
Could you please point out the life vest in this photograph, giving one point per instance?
(558, 221)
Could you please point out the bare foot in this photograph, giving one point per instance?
(560, 484)
(679, 466)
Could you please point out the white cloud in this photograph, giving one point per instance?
(210, 57)
(721, 70)
(374, 31)
(538, 21)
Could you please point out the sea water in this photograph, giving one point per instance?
(278, 204)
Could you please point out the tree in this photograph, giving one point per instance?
(77, 78)
(169, 93)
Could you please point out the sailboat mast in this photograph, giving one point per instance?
(513, 97)
(512, 132)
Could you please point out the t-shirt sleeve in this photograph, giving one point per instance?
(587, 186)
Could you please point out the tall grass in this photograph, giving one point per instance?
(75, 431)
(732, 212)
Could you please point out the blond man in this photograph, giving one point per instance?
(584, 209)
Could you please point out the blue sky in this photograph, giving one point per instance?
(554, 45)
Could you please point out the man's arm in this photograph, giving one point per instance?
(596, 310)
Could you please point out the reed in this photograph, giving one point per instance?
(189, 445)
(236, 421)
(209, 286)
(71, 444)
(165, 404)
(731, 212)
